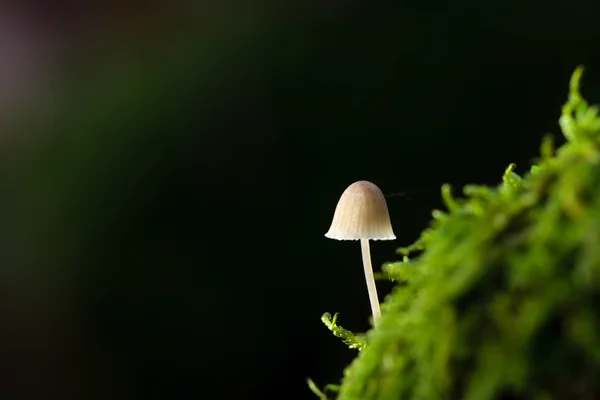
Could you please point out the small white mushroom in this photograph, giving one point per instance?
(362, 214)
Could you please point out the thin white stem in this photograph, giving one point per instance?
(366, 257)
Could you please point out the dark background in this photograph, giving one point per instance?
(168, 171)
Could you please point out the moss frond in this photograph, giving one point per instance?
(352, 340)
(321, 393)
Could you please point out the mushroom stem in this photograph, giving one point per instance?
(366, 257)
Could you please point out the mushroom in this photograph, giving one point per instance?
(362, 214)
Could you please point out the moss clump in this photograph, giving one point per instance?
(503, 301)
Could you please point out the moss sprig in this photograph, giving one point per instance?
(352, 340)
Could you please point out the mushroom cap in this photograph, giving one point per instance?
(361, 213)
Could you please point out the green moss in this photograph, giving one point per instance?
(353, 341)
(502, 299)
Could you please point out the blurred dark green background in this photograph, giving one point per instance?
(169, 170)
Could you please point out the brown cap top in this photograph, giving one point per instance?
(361, 213)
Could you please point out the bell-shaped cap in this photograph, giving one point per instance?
(361, 213)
